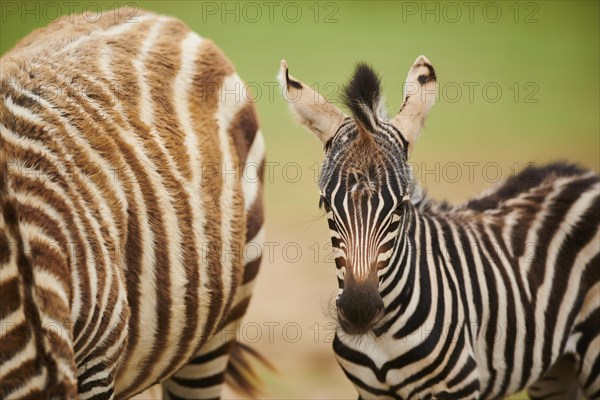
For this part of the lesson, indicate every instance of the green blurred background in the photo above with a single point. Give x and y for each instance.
(519, 83)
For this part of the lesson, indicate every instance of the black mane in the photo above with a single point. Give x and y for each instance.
(363, 94)
(529, 178)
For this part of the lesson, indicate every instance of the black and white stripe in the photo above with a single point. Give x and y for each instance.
(475, 301)
(470, 314)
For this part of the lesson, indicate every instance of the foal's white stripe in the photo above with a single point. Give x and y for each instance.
(189, 50)
(250, 178)
(228, 107)
(115, 30)
(145, 102)
(147, 312)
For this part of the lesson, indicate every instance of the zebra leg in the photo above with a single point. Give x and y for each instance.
(559, 382)
(220, 358)
(588, 348)
(463, 382)
(203, 376)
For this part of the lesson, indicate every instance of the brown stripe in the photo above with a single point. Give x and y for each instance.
(114, 332)
(95, 346)
(126, 72)
(60, 143)
(105, 363)
(160, 77)
(243, 129)
(5, 247)
(88, 197)
(32, 315)
(37, 216)
(35, 161)
(46, 256)
(53, 307)
(35, 186)
(15, 341)
(251, 270)
(108, 149)
(10, 297)
(61, 347)
(255, 216)
(14, 379)
(212, 68)
(236, 312)
(52, 38)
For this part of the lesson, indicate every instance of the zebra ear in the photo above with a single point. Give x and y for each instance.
(311, 109)
(420, 92)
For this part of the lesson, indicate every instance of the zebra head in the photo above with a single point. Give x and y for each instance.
(365, 179)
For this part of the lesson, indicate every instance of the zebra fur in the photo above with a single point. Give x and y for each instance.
(475, 301)
(131, 192)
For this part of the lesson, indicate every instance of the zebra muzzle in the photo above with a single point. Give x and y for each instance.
(359, 307)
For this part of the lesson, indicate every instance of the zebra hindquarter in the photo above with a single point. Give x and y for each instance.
(222, 358)
(105, 286)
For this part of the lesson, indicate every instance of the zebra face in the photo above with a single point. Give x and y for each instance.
(365, 179)
(363, 183)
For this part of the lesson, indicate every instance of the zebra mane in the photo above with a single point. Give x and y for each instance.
(362, 95)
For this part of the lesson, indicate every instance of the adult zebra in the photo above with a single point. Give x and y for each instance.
(129, 241)
(437, 302)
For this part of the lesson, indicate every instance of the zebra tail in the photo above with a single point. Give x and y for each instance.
(240, 374)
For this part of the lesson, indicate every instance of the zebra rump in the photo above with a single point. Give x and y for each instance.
(124, 221)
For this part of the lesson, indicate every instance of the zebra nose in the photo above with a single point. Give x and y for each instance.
(359, 311)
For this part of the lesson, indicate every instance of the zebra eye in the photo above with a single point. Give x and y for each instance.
(400, 208)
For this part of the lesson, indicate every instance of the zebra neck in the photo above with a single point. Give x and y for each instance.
(419, 270)
(397, 282)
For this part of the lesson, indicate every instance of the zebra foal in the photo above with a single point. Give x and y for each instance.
(129, 241)
(444, 302)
